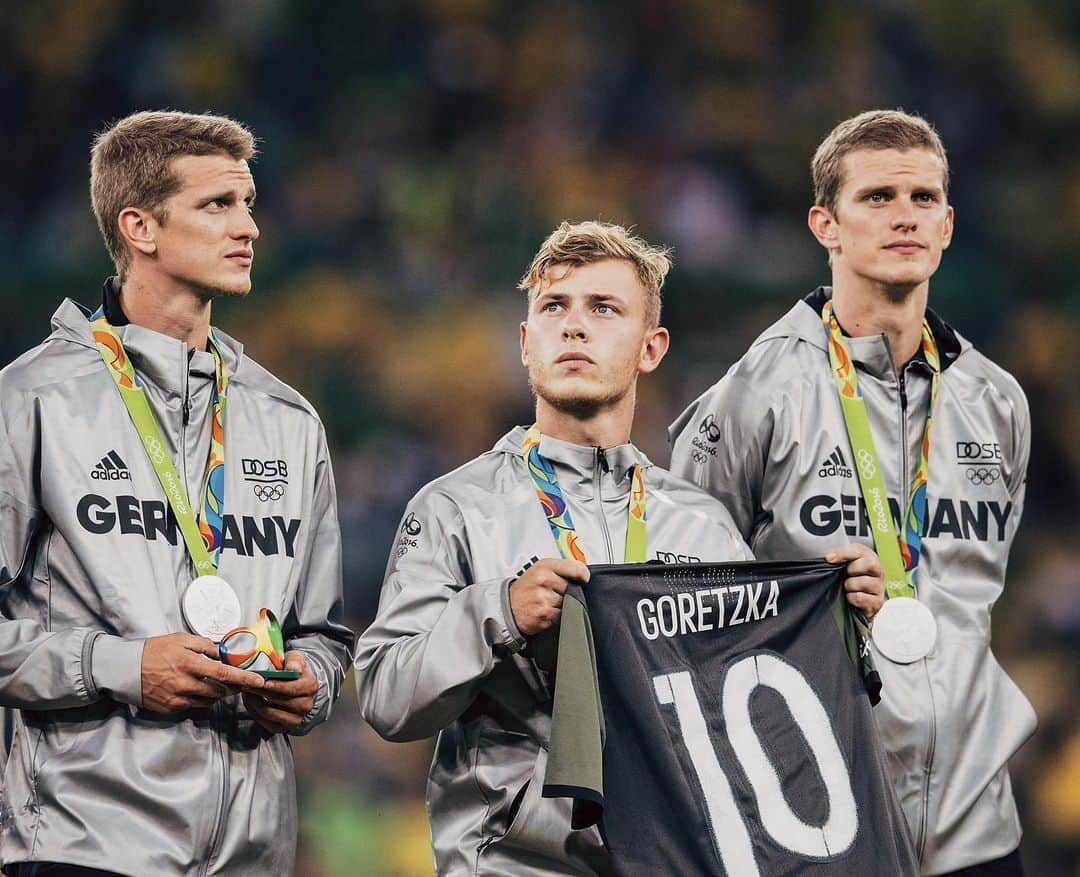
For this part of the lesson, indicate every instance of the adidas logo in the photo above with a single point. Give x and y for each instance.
(835, 465)
(111, 468)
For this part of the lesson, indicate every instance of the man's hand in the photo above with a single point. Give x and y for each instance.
(178, 674)
(536, 597)
(281, 705)
(865, 584)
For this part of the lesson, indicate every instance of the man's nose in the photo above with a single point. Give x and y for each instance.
(245, 227)
(905, 217)
(573, 326)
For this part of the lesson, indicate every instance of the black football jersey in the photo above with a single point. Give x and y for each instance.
(716, 719)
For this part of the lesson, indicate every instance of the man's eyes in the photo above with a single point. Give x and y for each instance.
(918, 197)
(600, 307)
(224, 203)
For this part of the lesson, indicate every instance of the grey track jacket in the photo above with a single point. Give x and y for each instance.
(444, 656)
(769, 441)
(92, 563)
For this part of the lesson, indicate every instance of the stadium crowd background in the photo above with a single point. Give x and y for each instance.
(416, 153)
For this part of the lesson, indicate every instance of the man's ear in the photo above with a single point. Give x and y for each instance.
(524, 346)
(137, 229)
(948, 230)
(653, 348)
(823, 226)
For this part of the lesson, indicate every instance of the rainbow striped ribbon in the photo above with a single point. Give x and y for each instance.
(202, 537)
(899, 552)
(558, 512)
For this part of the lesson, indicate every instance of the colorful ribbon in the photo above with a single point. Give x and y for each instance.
(899, 552)
(558, 512)
(202, 537)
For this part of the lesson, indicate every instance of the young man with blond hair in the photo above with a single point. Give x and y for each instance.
(828, 414)
(139, 524)
(462, 643)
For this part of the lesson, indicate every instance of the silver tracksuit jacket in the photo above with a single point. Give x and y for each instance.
(444, 655)
(769, 441)
(92, 563)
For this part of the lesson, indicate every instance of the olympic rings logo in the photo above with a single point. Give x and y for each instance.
(268, 492)
(699, 457)
(154, 449)
(978, 475)
(865, 461)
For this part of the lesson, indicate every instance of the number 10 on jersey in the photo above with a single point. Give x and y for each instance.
(730, 836)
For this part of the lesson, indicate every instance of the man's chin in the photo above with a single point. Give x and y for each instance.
(225, 290)
(580, 405)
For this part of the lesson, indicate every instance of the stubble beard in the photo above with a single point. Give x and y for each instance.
(209, 293)
(582, 405)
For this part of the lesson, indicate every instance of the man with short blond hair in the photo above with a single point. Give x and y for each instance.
(461, 646)
(582, 243)
(134, 536)
(824, 426)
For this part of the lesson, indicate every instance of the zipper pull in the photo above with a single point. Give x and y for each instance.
(903, 392)
(601, 458)
(186, 410)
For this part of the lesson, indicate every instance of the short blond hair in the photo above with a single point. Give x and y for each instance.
(583, 243)
(874, 129)
(131, 164)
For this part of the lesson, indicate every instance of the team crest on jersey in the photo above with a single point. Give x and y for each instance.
(268, 478)
(980, 462)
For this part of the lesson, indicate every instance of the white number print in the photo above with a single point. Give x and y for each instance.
(784, 826)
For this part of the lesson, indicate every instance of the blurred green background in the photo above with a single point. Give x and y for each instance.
(414, 155)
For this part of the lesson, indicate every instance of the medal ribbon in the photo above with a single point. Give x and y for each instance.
(558, 512)
(899, 552)
(202, 537)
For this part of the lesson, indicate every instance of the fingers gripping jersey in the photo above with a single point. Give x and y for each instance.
(731, 706)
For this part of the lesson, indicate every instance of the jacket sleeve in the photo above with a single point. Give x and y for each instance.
(315, 623)
(721, 443)
(437, 634)
(1018, 469)
(39, 669)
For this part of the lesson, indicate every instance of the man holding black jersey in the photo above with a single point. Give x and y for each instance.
(824, 427)
(462, 643)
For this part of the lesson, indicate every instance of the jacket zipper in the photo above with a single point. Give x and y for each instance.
(931, 743)
(600, 463)
(218, 723)
(218, 720)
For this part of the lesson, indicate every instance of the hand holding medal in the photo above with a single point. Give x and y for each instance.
(259, 648)
(278, 697)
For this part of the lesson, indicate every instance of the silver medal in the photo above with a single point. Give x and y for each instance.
(211, 607)
(904, 631)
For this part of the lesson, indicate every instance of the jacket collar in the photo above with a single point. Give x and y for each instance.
(871, 352)
(160, 359)
(576, 466)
